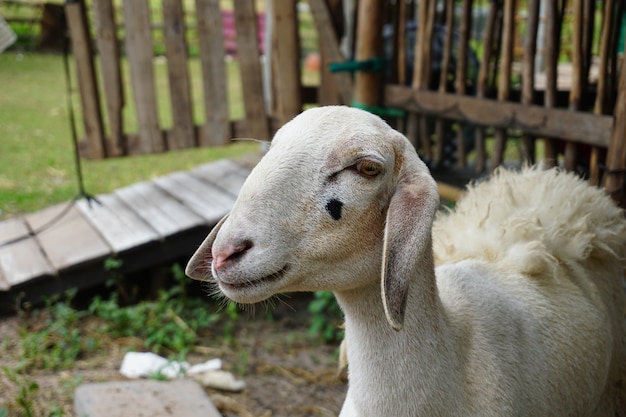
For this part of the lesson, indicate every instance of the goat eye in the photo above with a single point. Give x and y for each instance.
(368, 168)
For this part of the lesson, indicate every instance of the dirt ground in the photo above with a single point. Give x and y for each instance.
(286, 370)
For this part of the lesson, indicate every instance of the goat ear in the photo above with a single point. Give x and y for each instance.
(199, 266)
(407, 236)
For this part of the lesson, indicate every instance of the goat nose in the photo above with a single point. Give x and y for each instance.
(230, 252)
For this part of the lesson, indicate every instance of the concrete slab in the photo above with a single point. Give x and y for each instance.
(143, 398)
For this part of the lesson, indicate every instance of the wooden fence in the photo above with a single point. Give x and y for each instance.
(100, 71)
(467, 103)
(539, 79)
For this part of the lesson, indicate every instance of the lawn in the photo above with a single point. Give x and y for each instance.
(36, 150)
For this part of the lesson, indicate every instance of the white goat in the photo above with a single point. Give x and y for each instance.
(522, 316)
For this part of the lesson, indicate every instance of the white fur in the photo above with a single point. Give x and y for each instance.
(521, 317)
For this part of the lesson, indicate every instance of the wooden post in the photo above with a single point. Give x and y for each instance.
(90, 99)
(367, 85)
(256, 123)
(216, 129)
(109, 52)
(286, 60)
(183, 133)
(139, 49)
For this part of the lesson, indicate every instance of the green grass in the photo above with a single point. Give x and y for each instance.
(36, 151)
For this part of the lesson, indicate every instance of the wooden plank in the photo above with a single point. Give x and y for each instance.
(69, 242)
(109, 52)
(20, 260)
(120, 226)
(216, 129)
(250, 70)
(537, 120)
(330, 46)
(286, 60)
(224, 174)
(182, 134)
(161, 211)
(209, 201)
(139, 47)
(90, 100)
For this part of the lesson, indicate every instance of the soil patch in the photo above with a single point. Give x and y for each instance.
(288, 372)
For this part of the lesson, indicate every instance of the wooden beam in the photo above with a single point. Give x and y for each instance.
(533, 119)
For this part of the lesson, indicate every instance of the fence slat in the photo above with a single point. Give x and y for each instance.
(216, 129)
(109, 51)
(571, 149)
(528, 73)
(483, 80)
(286, 60)
(553, 33)
(139, 48)
(461, 75)
(182, 134)
(440, 124)
(256, 125)
(504, 78)
(330, 46)
(616, 158)
(328, 91)
(83, 56)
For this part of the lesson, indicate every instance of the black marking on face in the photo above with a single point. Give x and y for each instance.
(334, 208)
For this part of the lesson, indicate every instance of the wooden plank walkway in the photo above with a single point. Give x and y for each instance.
(145, 225)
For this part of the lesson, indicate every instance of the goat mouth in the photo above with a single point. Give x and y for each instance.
(250, 283)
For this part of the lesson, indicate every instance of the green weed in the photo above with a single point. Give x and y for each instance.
(169, 323)
(52, 338)
(25, 399)
(326, 317)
